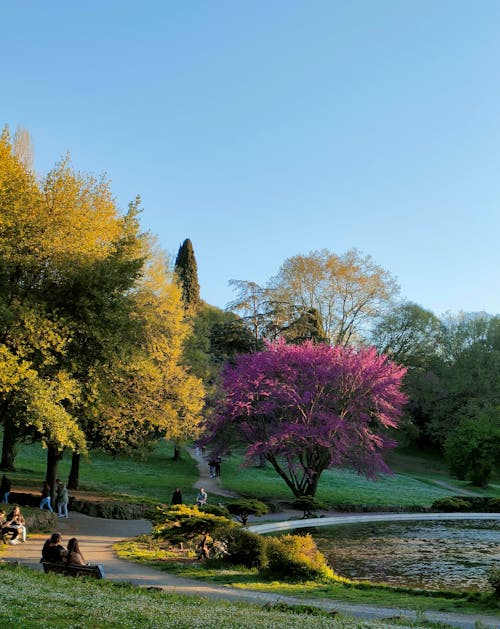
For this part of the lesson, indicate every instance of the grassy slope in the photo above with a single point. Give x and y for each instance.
(335, 487)
(421, 479)
(32, 599)
(350, 592)
(154, 477)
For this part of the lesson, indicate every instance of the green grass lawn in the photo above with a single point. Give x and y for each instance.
(341, 589)
(153, 477)
(335, 486)
(44, 601)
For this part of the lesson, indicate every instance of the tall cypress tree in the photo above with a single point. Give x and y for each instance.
(187, 270)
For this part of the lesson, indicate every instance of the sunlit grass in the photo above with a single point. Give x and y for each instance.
(337, 588)
(152, 477)
(32, 599)
(335, 487)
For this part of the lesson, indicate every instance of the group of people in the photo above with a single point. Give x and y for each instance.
(61, 498)
(54, 552)
(214, 466)
(13, 525)
(201, 499)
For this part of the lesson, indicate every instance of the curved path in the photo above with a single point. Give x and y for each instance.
(97, 537)
(360, 519)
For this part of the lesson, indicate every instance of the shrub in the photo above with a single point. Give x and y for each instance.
(295, 557)
(451, 504)
(246, 507)
(181, 524)
(215, 510)
(493, 505)
(308, 504)
(494, 579)
(243, 548)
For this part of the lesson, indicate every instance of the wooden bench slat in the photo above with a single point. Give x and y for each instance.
(96, 571)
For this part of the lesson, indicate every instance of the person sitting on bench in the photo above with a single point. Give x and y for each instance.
(52, 550)
(74, 556)
(16, 524)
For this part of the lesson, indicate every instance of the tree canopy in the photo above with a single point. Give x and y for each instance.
(187, 271)
(92, 323)
(309, 407)
(342, 294)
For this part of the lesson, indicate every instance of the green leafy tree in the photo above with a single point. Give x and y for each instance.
(187, 271)
(472, 449)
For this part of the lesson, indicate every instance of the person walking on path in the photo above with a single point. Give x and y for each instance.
(5, 486)
(45, 501)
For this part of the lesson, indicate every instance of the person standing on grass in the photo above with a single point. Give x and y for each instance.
(5, 486)
(45, 502)
(176, 497)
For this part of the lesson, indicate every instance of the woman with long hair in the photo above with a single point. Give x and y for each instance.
(74, 555)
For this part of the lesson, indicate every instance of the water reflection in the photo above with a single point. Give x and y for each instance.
(454, 555)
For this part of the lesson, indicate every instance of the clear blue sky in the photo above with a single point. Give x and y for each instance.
(267, 128)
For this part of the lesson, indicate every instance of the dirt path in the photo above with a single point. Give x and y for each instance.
(97, 536)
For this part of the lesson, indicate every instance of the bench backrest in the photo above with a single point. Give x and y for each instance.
(96, 571)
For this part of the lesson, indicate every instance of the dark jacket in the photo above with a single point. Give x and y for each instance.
(55, 554)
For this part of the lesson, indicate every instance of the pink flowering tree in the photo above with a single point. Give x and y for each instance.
(306, 408)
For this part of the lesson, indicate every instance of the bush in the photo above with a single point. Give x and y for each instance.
(493, 505)
(246, 507)
(494, 579)
(243, 548)
(308, 504)
(477, 504)
(181, 524)
(451, 504)
(295, 557)
(215, 510)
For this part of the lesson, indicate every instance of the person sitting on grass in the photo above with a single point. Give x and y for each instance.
(74, 555)
(52, 550)
(201, 499)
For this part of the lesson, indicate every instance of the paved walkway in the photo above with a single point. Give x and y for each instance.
(97, 536)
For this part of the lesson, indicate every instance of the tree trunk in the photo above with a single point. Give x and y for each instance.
(177, 450)
(74, 473)
(54, 455)
(9, 446)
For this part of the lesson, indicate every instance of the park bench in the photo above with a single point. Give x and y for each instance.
(7, 536)
(95, 571)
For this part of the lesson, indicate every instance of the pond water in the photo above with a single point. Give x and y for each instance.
(433, 554)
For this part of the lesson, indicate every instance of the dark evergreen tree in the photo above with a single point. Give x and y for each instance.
(187, 270)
